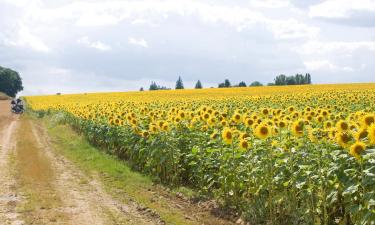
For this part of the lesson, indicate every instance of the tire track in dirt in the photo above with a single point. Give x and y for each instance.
(9, 198)
(86, 200)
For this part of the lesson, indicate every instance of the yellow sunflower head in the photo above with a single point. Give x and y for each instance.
(249, 122)
(361, 134)
(357, 149)
(243, 144)
(342, 125)
(371, 134)
(227, 135)
(244, 136)
(297, 128)
(262, 131)
(368, 120)
(343, 139)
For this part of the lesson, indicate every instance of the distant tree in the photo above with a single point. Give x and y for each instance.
(256, 84)
(308, 78)
(141, 89)
(227, 83)
(221, 85)
(198, 85)
(153, 86)
(271, 84)
(10, 82)
(291, 80)
(298, 79)
(179, 83)
(242, 84)
(280, 80)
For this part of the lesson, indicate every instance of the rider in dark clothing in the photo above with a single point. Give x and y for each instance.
(17, 106)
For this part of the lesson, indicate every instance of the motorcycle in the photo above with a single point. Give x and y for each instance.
(17, 109)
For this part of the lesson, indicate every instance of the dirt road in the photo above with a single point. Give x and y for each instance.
(40, 187)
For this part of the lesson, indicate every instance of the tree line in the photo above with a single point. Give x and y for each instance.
(280, 80)
(10, 82)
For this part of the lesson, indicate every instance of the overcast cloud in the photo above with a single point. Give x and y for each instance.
(95, 45)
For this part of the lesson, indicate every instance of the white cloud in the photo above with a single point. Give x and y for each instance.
(110, 13)
(270, 3)
(317, 47)
(139, 42)
(316, 65)
(292, 29)
(24, 38)
(94, 44)
(340, 8)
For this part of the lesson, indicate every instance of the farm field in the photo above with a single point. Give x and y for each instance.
(276, 155)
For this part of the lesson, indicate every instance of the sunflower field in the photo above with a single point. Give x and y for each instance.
(278, 155)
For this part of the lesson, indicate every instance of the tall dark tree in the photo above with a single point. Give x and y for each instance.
(153, 86)
(308, 78)
(256, 84)
(10, 82)
(290, 80)
(242, 84)
(179, 83)
(198, 85)
(280, 80)
(227, 83)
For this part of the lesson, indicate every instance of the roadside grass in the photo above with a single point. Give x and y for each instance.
(120, 181)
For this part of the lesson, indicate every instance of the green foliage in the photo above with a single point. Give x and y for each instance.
(198, 85)
(154, 87)
(304, 185)
(242, 84)
(10, 82)
(297, 79)
(256, 84)
(179, 83)
(226, 84)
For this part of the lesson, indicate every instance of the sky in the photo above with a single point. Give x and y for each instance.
(79, 46)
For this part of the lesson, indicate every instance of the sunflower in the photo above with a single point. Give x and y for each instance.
(356, 149)
(368, 120)
(243, 144)
(227, 135)
(327, 125)
(244, 136)
(343, 139)
(249, 122)
(361, 134)
(236, 118)
(145, 134)
(211, 121)
(371, 134)
(265, 111)
(153, 129)
(262, 131)
(223, 123)
(165, 127)
(282, 124)
(206, 116)
(297, 128)
(342, 126)
(214, 135)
